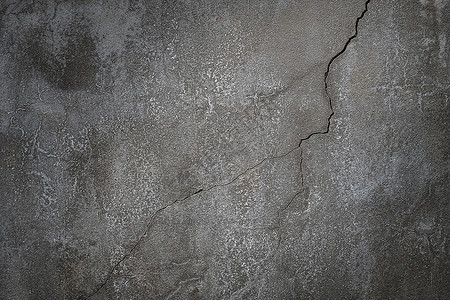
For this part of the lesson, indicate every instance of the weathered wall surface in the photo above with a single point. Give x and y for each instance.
(224, 150)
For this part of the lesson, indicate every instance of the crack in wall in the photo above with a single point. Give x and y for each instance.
(159, 211)
(284, 208)
(279, 222)
(326, 84)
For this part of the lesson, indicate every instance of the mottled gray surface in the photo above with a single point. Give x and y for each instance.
(185, 150)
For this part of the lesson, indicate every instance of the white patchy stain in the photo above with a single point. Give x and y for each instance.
(442, 44)
(440, 4)
(426, 226)
(427, 42)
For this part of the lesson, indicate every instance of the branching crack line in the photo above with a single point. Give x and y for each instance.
(329, 117)
(153, 218)
(279, 220)
(326, 84)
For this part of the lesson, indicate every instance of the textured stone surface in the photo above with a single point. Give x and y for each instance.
(185, 150)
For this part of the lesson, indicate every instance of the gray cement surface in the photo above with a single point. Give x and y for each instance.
(224, 149)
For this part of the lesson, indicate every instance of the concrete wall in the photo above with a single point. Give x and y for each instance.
(224, 149)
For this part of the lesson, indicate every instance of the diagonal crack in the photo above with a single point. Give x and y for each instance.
(331, 108)
(279, 219)
(325, 80)
(284, 208)
(162, 209)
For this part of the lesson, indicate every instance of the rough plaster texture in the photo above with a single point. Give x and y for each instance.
(224, 149)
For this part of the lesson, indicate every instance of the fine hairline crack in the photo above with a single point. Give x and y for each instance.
(162, 209)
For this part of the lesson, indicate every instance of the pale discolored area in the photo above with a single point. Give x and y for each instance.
(150, 150)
